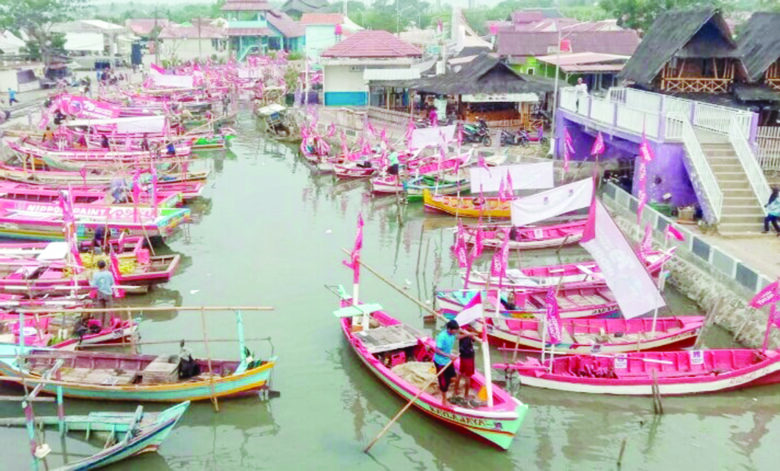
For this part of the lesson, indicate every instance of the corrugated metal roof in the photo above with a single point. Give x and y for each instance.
(372, 44)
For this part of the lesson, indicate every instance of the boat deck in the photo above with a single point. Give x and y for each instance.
(393, 337)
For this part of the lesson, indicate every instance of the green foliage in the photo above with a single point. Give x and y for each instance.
(501, 11)
(35, 18)
(640, 14)
(295, 56)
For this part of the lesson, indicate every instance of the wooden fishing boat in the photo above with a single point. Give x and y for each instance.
(26, 192)
(63, 330)
(130, 433)
(128, 377)
(190, 183)
(182, 192)
(527, 237)
(470, 206)
(569, 275)
(350, 169)
(679, 372)
(444, 185)
(530, 303)
(44, 154)
(389, 345)
(590, 335)
(43, 221)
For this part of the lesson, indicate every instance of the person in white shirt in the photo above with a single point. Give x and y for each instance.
(582, 90)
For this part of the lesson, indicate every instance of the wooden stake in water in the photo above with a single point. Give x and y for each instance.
(208, 359)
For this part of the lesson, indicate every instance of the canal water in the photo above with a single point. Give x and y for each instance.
(269, 232)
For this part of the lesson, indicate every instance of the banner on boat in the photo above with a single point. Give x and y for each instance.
(626, 276)
(551, 203)
(432, 137)
(99, 213)
(536, 176)
(171, 81)
(144, 124)
(83, 107)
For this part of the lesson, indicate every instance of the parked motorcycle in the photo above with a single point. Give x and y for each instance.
(508, 138)
(525, 137)
(477, 133)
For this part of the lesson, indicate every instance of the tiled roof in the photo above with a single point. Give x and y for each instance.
(246, 5)
(191, 32)
(322, 19)
(144, 26)
(372, 43)
(286, 25)
(528, 43)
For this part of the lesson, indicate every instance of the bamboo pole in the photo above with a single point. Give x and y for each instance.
(160, 309)
(170, 342)
(208, 359)
(408, 404)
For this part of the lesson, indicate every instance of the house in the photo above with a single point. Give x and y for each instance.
(689, 51)
(759, 51)
(143, 27)
(203, 38)
(95, 36)
(298, 8)
(486, 87)
(10, 44)
(346, 63)
(523, 42)
(255, 26)
(324, 30)
(598, 69)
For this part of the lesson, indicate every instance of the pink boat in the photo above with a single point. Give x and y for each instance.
(570, 275)
(590, 335)
(679, 372)
(25, 192)
(528, 237)
(60, 331)
(43, 221)
(530, 303)
(46, 154)
(389, 346)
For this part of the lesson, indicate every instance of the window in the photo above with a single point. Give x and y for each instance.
(529, 71)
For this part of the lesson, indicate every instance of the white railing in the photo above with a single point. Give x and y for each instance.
(642, 100)
(678, 105)
(638, 121)
(569, 99)
(672, 127)
(749, 163)
(768, 147)
(617, 94)
(702, 171)
(602, 110)
(718, 118)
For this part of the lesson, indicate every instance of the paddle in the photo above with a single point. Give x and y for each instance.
(408, 404)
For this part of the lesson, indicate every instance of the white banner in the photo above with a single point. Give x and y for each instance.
(551, 203)
(171, 81)
(626, 276)
(500, 97)
(142, 124)
(535, 176)
(422, 138)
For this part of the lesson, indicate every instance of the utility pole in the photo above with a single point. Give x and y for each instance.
(156, 37)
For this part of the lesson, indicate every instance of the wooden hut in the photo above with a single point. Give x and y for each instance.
(759, 49)
(686, 51)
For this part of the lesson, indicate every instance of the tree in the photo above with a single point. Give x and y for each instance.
(35, 18)
(640, 14)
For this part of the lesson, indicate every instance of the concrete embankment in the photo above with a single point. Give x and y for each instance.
(710, 290)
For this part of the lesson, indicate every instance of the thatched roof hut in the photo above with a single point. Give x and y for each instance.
(759, 44)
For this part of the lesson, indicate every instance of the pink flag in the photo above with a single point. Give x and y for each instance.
(625, 275)
(772, 320)
(344, 148)
(154, 190)
(500, 259)
(481, 162)
(409, 132)
(598, 145)
(647, 240)
(461, 253)
(770, 294)
(641, 192)
(510, 189)
(568, 149)
(671, 231)
(331, 130)
(136, 193)
(553, 317)
(502, 190)
(370, 129)
(156, 68)
(354, 262)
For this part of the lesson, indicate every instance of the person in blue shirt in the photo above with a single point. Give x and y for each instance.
(443, 357)
(103, 281)
(12, 96)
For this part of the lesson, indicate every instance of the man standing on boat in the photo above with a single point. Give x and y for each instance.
(103, 281)
(443, 358)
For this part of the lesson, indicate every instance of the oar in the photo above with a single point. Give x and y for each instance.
(408, 404)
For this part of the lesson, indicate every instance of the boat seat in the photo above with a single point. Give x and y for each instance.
(160, 370)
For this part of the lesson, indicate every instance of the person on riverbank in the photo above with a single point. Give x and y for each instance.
(103, 281)
(443, 358)
(773, 211)
(12, 96)
(466, 369)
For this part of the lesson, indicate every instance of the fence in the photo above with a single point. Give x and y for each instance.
(695, 248)
(768, 146)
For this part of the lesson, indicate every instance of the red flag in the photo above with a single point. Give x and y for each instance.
(553, 317)
(598, 145)
(770, 294)
(671, 231)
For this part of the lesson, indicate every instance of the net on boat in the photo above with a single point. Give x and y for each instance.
(419, 374)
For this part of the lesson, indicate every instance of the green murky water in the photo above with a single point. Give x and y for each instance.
(270, 232)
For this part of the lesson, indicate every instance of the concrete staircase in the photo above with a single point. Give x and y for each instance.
(742, 212)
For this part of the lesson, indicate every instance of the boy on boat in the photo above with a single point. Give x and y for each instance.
(444, 358)
(466, 369)
(103, 281)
